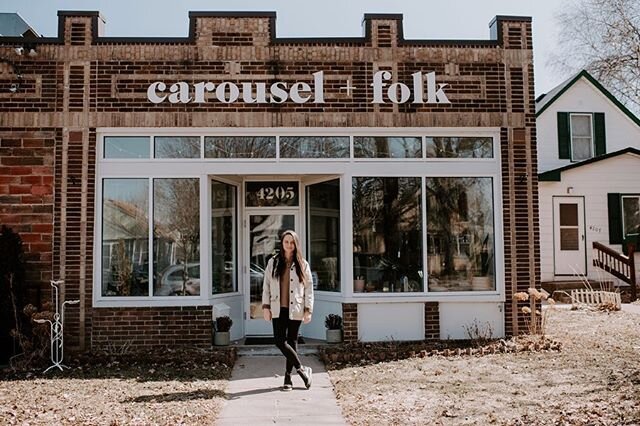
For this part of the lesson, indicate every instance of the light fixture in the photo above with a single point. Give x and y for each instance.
(19, 50)
(32, 52)
(14, 87)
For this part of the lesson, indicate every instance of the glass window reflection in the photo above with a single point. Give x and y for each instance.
(239, 147)
(176, 237)
(460, 234)
(125, 237)
(323, 233)
(223, 238)
(387, 147)
(459, 147)
(314, 147)
(387, 234)
(177, 147)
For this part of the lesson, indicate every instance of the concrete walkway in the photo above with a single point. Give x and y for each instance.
(255, 396)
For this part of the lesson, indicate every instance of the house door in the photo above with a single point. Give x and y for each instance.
(569, 236)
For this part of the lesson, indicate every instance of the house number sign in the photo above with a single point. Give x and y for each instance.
(272, 194)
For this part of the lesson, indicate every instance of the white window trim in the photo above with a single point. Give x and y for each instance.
(593, 140)
(346, 169)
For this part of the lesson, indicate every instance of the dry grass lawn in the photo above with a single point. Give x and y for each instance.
(594, 380)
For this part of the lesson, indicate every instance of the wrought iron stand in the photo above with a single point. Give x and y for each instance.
(57, 327)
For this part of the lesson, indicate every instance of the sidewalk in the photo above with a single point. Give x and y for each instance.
(255, 398)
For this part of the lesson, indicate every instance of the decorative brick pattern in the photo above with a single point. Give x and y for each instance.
(432, 321)
(350, 322)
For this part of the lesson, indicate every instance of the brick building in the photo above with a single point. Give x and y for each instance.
(153, 175)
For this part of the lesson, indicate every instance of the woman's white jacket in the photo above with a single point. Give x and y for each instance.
(300, 292)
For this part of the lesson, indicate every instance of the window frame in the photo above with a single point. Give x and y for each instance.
(303, 169)
(592, 136)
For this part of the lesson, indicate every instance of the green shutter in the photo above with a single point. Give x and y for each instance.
(615, 218)
(600, 133)
(564, 136)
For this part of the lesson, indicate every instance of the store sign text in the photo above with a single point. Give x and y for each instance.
(423, 90)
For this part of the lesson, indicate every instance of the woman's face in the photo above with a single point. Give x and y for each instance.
(288, 245)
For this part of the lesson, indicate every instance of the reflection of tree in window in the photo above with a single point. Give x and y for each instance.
(460, 228)
(240, 147)
(459, 147)
(176, 233)
(387, 237)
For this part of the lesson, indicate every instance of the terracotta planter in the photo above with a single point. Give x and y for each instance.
(334, 336)
(221, 338)
(358, 286)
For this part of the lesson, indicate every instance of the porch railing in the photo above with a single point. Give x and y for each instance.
(617, 264)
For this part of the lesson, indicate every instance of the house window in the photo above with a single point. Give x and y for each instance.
(631, 215)
(581, 137)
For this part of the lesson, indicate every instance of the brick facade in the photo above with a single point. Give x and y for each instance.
(81, 81)
(432, 321)
(350, 322)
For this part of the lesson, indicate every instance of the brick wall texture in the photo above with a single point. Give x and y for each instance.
(82, 81)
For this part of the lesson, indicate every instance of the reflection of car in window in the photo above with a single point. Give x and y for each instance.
(171, 281)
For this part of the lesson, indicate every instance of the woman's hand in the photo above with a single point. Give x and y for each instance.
(266, 314)
(307, 317)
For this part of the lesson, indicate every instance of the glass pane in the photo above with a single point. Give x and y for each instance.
(264, 242)
(581, 126)
(460, 234)
(387, 147)
(126, 147)
(569, 239)
(582, 149)
(223, 238)
(314, 147)
(125, 237)
(176, 237)
(324, 234)
(239, 147)
(459, 147)
(387, 234)
(272, 194)
(177, 147)
(631, 215)
(568, 214)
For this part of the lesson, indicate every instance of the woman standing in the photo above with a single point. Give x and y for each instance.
(287, 300)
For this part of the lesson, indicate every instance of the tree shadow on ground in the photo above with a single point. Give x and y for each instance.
(178, 396)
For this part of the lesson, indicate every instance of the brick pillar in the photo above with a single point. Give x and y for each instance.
(432, 321)
(350, 322)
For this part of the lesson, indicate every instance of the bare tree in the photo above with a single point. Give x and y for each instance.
(603, 37)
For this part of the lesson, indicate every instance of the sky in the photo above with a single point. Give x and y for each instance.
(423, 19)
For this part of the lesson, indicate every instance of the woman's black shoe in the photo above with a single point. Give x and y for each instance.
(306, 374)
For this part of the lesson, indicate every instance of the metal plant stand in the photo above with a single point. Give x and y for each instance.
(57, 327)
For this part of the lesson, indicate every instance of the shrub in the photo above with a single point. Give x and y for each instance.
(333, 322)
(223, 323)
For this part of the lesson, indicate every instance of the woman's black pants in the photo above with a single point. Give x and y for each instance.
(285, 333)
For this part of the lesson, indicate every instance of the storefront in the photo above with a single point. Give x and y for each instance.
(407, 167)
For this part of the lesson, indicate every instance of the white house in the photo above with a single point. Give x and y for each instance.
(589, 177)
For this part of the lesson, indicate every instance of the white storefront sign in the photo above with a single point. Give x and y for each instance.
(424, 90)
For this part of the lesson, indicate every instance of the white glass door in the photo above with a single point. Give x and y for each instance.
(263, 227)
(569, 236)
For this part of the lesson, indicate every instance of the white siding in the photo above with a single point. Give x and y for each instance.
(593, 181)
(621, 131)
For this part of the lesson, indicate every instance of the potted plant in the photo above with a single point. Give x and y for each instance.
(333, 323)
(222, 325)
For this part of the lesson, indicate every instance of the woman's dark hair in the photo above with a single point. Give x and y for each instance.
(280, 262)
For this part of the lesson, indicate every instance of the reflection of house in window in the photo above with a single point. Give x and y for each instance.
(125, 248)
